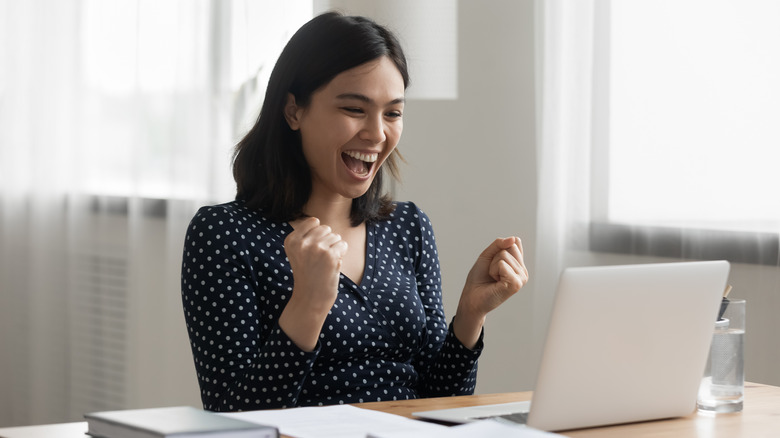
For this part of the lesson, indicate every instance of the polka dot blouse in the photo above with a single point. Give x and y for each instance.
(386, 339)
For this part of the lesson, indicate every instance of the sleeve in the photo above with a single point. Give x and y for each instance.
(239, 365)
(445, 365)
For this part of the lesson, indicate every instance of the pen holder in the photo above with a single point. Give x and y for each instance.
(723, 384)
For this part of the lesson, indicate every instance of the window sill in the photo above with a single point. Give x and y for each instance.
(759, 248)
(117, 205)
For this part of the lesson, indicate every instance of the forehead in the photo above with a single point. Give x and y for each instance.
(379, 78)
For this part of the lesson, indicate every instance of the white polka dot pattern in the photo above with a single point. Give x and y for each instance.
(386, 339)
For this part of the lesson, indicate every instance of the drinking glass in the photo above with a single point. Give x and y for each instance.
(723, 385)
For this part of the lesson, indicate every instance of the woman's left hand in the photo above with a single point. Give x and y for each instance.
(498, 273)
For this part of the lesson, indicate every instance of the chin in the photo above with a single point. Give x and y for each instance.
(356, 192)
(355, 195)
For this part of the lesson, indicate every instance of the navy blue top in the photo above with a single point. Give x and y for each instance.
(386, 339)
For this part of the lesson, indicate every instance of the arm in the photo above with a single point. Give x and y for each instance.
(315, 255)
(232, 303)
(450, 366)
(445, 365)
(498, 273)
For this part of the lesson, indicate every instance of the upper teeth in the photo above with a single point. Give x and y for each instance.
(369, 158)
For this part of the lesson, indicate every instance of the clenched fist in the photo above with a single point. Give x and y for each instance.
(315, 253)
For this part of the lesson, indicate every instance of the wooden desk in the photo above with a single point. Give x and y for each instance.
(760, 418)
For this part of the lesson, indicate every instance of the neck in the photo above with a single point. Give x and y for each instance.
(332, 212)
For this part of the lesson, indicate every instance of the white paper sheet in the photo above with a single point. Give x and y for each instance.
(339, 421)
(477, 429)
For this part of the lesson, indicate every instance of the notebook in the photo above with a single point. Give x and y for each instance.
(624, 344)
(175, 421)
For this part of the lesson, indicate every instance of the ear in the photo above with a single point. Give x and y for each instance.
(292, 113)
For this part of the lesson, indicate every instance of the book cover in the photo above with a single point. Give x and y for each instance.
(174, 422)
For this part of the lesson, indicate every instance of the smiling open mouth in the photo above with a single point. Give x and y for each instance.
(359, 163)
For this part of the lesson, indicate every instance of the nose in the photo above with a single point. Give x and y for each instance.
(373, 130)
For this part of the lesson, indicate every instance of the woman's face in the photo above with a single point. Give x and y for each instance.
(350, 127)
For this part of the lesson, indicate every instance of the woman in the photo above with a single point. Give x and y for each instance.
(313, 287)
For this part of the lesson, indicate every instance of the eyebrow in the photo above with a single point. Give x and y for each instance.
(366, 99)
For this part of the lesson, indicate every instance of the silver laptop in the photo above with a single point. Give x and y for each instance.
(624, 344)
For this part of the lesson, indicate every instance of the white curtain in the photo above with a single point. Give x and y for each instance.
(118, 120)
(564, 105)
(577, 145)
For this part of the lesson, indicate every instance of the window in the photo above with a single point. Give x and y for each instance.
(169, 87)
(688, 122)
(694, 104)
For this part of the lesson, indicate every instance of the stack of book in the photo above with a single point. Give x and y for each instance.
(172, 422)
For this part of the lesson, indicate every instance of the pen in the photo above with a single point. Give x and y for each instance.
(725, 302)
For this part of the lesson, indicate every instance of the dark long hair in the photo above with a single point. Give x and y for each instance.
(269, 167)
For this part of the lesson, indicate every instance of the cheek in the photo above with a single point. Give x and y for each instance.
(393, 137)
(316, 143)
(328, 134)
(308, 146)
(315, 153)
(394, 134)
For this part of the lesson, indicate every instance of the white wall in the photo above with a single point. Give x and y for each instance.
(472, 168)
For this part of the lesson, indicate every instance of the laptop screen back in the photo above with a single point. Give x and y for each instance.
(626, 343)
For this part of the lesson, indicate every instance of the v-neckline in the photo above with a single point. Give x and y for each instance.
(369, 253)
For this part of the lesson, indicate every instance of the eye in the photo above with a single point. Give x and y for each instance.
(394, 114)
(353, 109)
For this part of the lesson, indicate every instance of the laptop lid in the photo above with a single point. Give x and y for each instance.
(627, 343)
(624, 344)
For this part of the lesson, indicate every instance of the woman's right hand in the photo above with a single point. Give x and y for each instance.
(315, 253)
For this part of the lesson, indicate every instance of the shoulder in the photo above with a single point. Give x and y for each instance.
(409, 230)
(217, 212)
(231, 216)
(408, 215)
(406, 209)
(212, 216)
